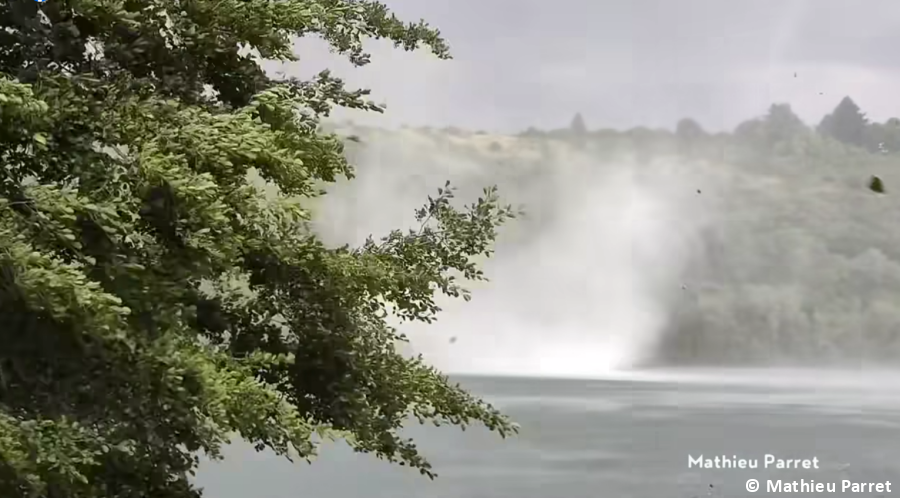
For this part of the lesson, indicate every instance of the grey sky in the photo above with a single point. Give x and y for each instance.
(622, 63)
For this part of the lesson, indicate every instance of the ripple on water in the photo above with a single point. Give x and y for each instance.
(562, 403)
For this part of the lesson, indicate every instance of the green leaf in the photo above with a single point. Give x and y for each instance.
(876, 185)
(158, 255)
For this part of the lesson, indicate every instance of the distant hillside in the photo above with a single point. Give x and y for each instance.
(799, 260)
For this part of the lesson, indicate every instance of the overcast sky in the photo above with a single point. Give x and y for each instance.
(622, 63)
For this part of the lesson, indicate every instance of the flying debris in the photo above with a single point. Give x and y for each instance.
(453, 340)
(876, 185)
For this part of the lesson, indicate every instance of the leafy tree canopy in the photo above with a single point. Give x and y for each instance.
(782, 123)
(846, 123)
(154, 301)
(578, 126)
(689, 129)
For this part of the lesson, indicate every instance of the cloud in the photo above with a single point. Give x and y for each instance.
(646, 62)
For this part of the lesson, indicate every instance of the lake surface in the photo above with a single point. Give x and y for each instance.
(619, 438)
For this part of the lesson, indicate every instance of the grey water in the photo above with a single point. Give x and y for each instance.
(624, 437)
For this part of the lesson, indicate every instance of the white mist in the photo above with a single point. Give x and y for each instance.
(586, 295)
(585, 300)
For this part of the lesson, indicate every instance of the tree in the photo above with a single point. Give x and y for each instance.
(688, 129)
(782, 125)
(689, 133)
(884, 137)
(846, 123)
(153, 300)
(577, 126)
(891, 141)
(750, 131)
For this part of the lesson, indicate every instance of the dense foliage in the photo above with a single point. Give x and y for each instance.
(154, 300)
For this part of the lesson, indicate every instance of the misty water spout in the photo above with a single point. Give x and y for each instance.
(582, 286)
(584, 299)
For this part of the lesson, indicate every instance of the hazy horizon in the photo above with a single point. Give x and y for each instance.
(625, 64)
